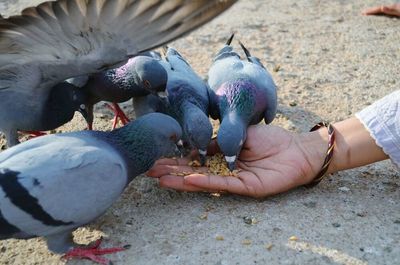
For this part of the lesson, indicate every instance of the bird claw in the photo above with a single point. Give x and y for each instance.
(92, 253)
(118, 114)
(34, 134)
(90, 127)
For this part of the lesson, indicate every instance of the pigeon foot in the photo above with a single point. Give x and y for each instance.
(34, 134)
(118, 114)
(90, 127)
(92, 253)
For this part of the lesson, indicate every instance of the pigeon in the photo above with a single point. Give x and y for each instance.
(59, 108)
(140, 76)
(151, 102)
(51, 185)
(242, 93)
(188, 102)
(57, 40)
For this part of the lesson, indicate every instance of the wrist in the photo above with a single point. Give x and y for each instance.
(354, 147)
(314, 146)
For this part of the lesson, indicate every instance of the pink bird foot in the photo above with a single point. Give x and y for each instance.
(93, 252)
(118, 114)
(34, 134)
(90, 127)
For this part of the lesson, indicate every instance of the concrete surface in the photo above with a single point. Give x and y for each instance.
(333, 62)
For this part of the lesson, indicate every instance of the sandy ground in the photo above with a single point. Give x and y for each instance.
(332, 62)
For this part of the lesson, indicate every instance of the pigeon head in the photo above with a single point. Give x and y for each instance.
(79, 99)
(166, 132)
(230, 138)
(64, 99)
(152, 74)
(146, 139)
(197, 130)
(238, 100)
(79, 95)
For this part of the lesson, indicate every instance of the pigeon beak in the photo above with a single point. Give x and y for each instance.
(162, 94)
(85, 114)
(203, 156)
(179, 151)
(231, 162)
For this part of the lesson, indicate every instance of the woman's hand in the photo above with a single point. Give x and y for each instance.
(272, 161)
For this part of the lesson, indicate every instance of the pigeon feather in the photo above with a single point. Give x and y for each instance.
(188, 101)
(53, 184)
(57, 40)
(242, 93)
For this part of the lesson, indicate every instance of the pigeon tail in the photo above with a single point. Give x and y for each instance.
(230, 39)
(165, 50)
(246, 51)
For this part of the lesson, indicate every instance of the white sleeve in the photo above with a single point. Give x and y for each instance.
(382, 120)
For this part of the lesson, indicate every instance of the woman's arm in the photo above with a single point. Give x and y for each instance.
(354, 146)
(274, 160)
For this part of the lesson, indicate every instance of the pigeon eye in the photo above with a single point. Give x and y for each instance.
(173, 137)
(147, 83)
(82, 106)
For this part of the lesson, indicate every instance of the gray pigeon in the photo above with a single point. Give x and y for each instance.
(140, 76)
(59, 108)
(148, 104)
(243, 93)
(188, 102)
(53, 184)
(57, 40)
(151, 102)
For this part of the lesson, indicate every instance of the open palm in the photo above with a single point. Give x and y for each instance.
(272, 160)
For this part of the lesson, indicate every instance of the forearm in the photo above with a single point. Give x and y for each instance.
(354, 146)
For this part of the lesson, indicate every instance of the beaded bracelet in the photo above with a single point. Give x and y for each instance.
(329, 153)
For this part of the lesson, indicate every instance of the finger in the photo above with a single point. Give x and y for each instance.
(172, 161)
(177, 183)
(165, 166)
(391, 11)
(385, 10)
(160, 170)
(372, 10)
(219, 183)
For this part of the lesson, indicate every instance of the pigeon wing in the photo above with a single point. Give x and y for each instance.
(264, 82)
(52, 185)
(73, 37)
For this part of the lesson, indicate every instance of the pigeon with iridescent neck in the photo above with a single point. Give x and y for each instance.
(139, 77)
(57, 40)
(242, 93)
(188, 102)
(51, 185)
